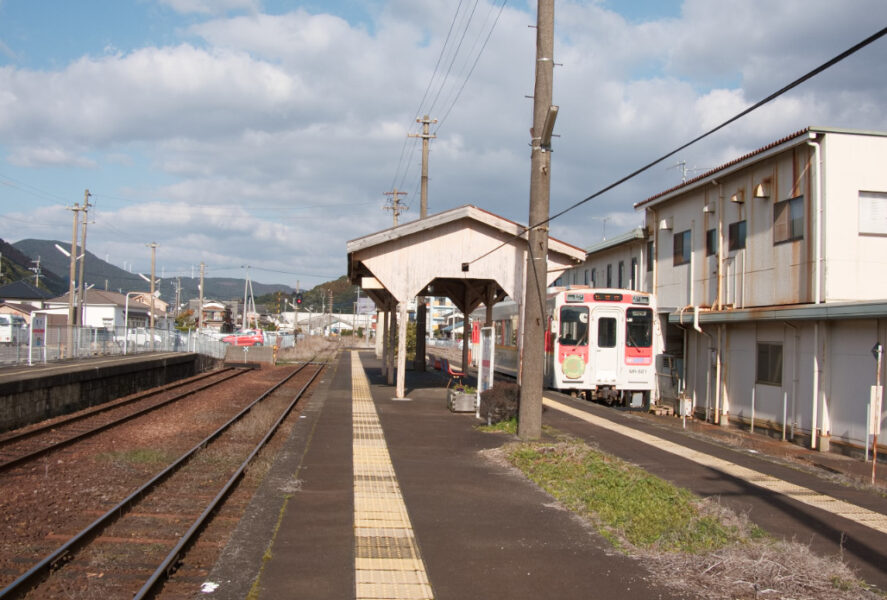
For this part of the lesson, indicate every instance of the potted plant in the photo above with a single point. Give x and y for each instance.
(461, 398)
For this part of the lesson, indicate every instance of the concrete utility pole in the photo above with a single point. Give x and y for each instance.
(72, 312)
(530, 423)
(153, 247)
(421, 317)
(200, 301)
(81, 285)
(36, 270)
(395, 207)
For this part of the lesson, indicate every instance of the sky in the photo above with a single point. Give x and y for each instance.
(266, 133)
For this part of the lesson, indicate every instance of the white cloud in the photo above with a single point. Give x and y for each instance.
(211, 7)
(273, 137)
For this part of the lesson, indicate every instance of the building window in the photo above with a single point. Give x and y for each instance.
(788, 220)
(586, 276)
(634, 274)
(769, 363)
(594, 278)
(682, 248)
(711, 242)
(736, 236)
(609, 276)
(620, 274)
(650, 256)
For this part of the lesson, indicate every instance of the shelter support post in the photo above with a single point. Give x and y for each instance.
(392, 334)
(401, 349)
(421, 328)
(386, 324)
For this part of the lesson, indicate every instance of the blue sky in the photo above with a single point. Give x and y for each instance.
(266, 132)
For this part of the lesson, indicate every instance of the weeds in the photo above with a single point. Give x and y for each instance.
(696, 546)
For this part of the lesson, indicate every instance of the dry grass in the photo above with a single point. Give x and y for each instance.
(736, 559)
(310, 348)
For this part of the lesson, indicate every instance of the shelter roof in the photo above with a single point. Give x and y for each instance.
(467, 254)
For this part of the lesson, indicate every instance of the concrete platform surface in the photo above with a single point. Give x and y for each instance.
(376, 497)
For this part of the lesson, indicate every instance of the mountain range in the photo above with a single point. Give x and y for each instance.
(19, 260)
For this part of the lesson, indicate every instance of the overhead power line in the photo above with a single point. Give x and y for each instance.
(807, 76)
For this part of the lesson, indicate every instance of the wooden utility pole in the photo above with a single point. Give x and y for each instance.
(421, 317)
(395, 207)
(81, 285)
(530, 422)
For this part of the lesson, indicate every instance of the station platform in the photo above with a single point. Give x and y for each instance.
(377, 497)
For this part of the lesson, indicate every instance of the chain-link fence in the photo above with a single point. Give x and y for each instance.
(58, 343)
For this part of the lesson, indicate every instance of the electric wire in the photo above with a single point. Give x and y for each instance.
(427, 89)
(440, 121)
(455, 55)
(464, 27)
(807, 76)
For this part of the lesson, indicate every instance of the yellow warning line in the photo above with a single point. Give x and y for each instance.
(387, 562)
(857, 514)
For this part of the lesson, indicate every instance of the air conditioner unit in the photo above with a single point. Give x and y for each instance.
(738, 197)
(666, 223)
(709, 207)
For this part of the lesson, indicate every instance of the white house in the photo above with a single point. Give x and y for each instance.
(107, 310)
(771, 267)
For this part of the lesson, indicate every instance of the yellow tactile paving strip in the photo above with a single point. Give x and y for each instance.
(860, 515)
(387, 562)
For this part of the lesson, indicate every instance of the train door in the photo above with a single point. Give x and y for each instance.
(606, 327)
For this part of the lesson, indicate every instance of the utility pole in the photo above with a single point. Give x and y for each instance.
(245, 288)
(530, 419)
(153, 247)
(200, 301)
(81, 285)
(178, 294)
(395, 207)
(72, 313)
(421, 317)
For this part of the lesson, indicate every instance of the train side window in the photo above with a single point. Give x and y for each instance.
(639, 328)
(573, 326)
(606, 332)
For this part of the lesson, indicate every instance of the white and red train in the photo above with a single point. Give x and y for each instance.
(601, 343)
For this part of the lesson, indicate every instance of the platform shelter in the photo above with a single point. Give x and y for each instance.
(467, 254)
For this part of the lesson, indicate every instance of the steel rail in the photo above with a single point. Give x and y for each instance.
(54, 560)
(4, 466)
(20, 435)
(169, 564)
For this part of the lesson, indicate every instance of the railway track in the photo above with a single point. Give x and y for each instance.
(132, 549)
(31, 443)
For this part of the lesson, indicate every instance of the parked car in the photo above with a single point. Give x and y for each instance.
(13, 330)
(245, 337)
(139, 336)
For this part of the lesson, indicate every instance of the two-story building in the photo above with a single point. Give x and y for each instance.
(772, 268)
(618, 262)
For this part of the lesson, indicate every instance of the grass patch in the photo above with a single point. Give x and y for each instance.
(626, 503)
(695, 547)
(509, 426)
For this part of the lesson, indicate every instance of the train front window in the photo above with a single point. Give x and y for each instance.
(574, 326)
(639, 328)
